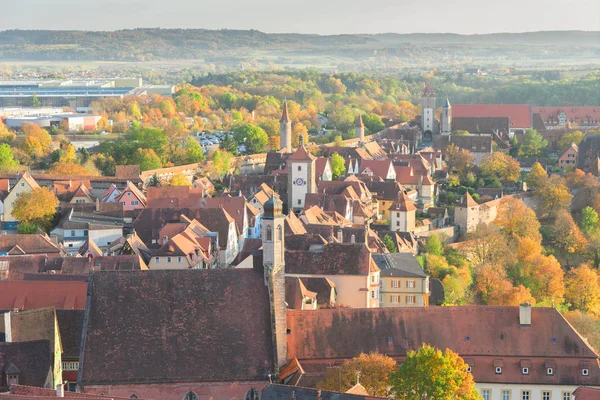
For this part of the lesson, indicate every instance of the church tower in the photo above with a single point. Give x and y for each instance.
(428, 113)
(273, 240)
(446, 128)
(359, 128)
(285, 130)
(301, 168)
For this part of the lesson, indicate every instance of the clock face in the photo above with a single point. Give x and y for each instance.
(299, 181)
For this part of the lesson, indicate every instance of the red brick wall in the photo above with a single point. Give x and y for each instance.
(176, 391)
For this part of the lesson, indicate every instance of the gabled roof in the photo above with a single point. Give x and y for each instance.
(133, 189)
(30, 181)
(520, 114)
(330, 259)
(587, 393)
(106, 195)
(70, 324)
(84, 265)
(468, 201)
(428, 91)
(32, 359)
(404, 203)
(31, 325)
(575, 114)
(293, 226)
(167, 322)
(301, 155)
(29, 244)
(379, 168)
(283, 392)
(90, 247)
(399, 264)
(26, 295)
(295, 292)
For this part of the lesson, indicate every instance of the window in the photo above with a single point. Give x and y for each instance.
(169, 259)
(70, 365)
(299, 167)
(525, 395)
(550, 371)
(506, 395)
(585, 372)
(373, 294)
(79, 201)
(395, 283)
(22, 184)
(397, 223)
(469, 368)
(124, 203)
(279, 233)
(395, 299)
(372, 278)
(157, 259)
(179, 259)
(128, 193)
(380, 298)
(498, 370)
(135, 203)
(133, 396)
(70, 245)
(85, 233)
(485, 393)
(525, 371)
(566, 396)
(190, 396)
(545, 395)
(269, 232)
(410, 284)
(411, 299)
(72, 233)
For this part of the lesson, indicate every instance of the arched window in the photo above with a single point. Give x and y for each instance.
(279, 233)
(190, 396)
(251, 394)
(133, 396)
(269, 232)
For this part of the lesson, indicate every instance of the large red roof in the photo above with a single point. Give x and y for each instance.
(27, 295)
(520, 114)
(577, 115)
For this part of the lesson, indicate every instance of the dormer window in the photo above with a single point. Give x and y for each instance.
(12, 379)
(585, 372)
(525, 371)
(498, 370)
(549, 371)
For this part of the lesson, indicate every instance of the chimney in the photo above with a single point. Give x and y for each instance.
(340, 236)
(60, 390)
(525, 314)
(353, 238)
(165, 239)
(90, 257)
(97, 205)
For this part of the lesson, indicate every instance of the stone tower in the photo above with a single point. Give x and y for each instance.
(360, 128)
(301, 168)
(274, 270)
(446, 128)
(428, 113)
(285, 130)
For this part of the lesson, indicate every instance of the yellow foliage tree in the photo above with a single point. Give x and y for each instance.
(515, 218)
(179, 180)
(68, 168)
(502, 166)
(537, 177)
(33, 130)
(374, 369)
(583, 290)
(36, 207)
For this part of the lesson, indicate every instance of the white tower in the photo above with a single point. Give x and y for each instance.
(428, 113)
(301, 177)
(359, 128)
(446, 128)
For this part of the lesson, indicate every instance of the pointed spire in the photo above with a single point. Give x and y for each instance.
(428, 91)
(284, 114)
(359, 122)
(447, 104)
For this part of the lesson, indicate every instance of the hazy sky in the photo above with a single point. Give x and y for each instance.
(306, 16)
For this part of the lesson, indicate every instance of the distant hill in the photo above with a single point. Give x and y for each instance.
(164, 44)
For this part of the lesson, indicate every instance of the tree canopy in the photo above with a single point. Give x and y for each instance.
(37, 207)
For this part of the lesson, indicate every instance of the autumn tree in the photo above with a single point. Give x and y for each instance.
(501, 166)
(459, 160)
(7, 160)
(147, 159)
(567, 139)
(337, 166)
(515, 218)
(374, 369)
(6, 136)
(537, 177)
(487, 245)
(532, 144)
(68, 168)
(589, 220)
(546, 279)
(221, 161)
(297, 131)
(36, 207)
(35, 131)
(568, 238)
(553, 196)
(179, 180)
(587, 325)
(430, 374)
(583, 290)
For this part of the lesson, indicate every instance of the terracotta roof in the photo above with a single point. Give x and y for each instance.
(26, 295)
(359, 122)
(235, 207)
(579, 115)
(520, 114)
(90, 247)
(316, 215)
(301, 155)
(282, 392)
(284, 113)
(29, 244)
(379, 168)
(358, 389)
(127, 171)
(19, 264)
(468, 201)
(322, 287)
(293, 225)
(133, 189)
(330, 259)
(320, 164)
(428, 91)
(303, 241)
(33, 360)
(29, 392)
(29, 179)
(404, 203)
(295, 292)
(168, 321)
(481, 333)
(587, 393)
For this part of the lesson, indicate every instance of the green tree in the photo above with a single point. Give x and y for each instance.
(35, 102)
(533, 144)
(589, 220)
(374, 369)
(430, 374)
(228, 144)
(7, 160)
(146, 158)
(252, 136)
(434, 246)
(193, 152)
(154, 181)
(373, 123)
(389, 243)
(337, 166)
(148, 138)
(36, 207)
(572, 137)
(460, 133)
(228, 100)
(28, 228)
(220, 160)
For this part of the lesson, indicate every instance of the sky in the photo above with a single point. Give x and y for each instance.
(306, 16)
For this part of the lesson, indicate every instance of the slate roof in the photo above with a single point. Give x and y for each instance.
(399, 264)
(481, 124)
(84, 265)
(481, 333)
(332, 259)
(70, 325)
(31, 358)
(282, 392)
(177, 326)
(26, 295)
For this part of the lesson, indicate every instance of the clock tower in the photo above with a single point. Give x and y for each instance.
(301, 177)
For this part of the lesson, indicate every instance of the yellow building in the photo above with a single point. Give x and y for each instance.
(403, 281)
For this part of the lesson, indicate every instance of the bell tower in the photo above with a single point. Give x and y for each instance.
(273, 240)
(446, 128)
(301, 168)
(428, 113)
(285, 129)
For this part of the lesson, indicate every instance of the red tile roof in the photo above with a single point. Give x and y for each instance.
(579, 115)
(26, 295)
(30, 392)
(284, 113)
(587, 393)
(301, 155)
(428, 91)
(520, 114)
(331, 259)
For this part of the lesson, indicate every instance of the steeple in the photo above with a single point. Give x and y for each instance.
(447, 104)
(285, 130)
(446, 118)
(428, 92)
(359, 128)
